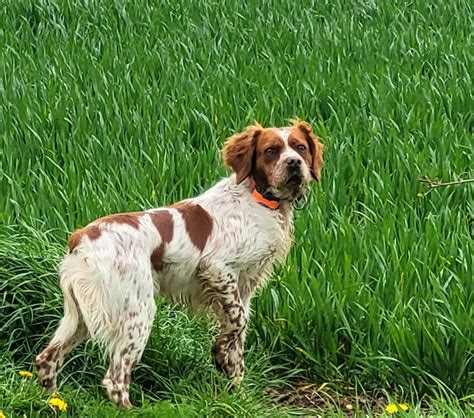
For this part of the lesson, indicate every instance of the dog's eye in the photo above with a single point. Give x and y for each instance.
(270, 151)
(301, 147)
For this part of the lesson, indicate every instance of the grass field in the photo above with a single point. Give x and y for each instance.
(120, 105)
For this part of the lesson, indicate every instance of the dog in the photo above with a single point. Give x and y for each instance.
(214, 250)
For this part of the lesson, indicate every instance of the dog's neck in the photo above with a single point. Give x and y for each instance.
(267, 199)
(261, 196)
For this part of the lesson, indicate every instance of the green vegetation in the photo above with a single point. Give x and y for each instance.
(120, 105)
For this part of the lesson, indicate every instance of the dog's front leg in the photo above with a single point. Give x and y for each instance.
(228, 351)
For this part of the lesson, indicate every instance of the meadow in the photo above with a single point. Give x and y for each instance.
(120, 106)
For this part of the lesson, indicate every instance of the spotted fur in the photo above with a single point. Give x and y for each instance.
(213, 250)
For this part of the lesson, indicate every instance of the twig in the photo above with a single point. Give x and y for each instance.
(431, 184)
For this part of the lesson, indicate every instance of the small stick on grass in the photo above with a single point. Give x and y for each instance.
(431, 184)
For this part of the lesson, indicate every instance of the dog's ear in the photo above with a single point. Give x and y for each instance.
(239, 150)
(315, 147)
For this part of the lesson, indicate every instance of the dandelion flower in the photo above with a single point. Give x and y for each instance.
(392, 408)
(57, 402)
(24, 373)
(2, 415)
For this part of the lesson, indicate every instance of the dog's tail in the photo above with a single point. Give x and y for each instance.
(86, 298)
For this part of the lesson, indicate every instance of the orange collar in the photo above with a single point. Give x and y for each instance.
(259, 198)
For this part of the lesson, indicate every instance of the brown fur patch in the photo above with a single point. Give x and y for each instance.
(163, 222)
(296, 139)
(316, 148)
(50, 354)
(129, 218)
(93, 231)
(75, 239)
(156, 258)
(265, 161)
(198, 223)
(239, 149)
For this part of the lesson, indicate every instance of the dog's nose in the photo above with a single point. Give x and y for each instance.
(293, 162)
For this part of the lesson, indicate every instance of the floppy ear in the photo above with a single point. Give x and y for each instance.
(239, 149)
(315, 147)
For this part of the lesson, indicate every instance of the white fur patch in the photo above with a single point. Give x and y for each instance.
(288, 151)
(285, 134)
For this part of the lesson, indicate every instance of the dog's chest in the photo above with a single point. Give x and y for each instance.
(251, 239)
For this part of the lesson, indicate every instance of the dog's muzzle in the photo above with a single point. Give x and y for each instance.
(293, 172)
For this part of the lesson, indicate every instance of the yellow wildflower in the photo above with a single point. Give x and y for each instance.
(2, 415)
(392, 408)
(57, 402)
(24, 373)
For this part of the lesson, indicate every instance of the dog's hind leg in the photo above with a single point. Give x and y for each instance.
(134, 328)
(70, 333)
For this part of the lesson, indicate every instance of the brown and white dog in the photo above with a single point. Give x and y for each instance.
(214, 250)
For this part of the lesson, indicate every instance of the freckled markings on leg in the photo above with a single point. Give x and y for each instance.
(238, 319)
(223, 289)
(116, 373)
(228, 350)
(51, 353)
(47, 363)
(118, 377)
(117, 394)
(46, 368)
(218, 357)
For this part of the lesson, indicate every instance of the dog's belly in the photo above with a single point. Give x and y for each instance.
(178, 282)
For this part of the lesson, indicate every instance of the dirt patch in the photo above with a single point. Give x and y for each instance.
(324, 397)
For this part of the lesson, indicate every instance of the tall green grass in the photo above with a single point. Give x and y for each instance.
(113, 106)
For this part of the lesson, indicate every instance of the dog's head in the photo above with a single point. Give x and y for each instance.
(281, 161)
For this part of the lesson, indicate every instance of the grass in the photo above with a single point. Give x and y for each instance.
(118, 106)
